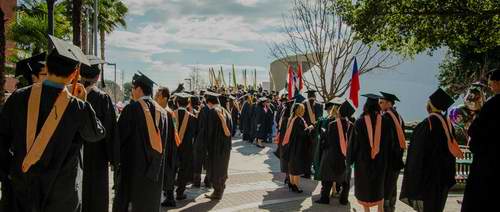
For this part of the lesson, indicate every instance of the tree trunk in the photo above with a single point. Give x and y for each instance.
(2, 57)
(102, 35)
(50, 17)
(85, 41)
(77, 22)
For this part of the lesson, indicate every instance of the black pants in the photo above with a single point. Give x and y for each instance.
(326, 187)
(435, 201)
(199, 160)
(391, 191)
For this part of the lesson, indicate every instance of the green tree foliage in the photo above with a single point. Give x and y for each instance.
(470, 29)
(127, 91)
(29, 31)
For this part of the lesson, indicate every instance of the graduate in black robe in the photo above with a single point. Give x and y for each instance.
(247, 118)
(142, 160)
(369, 150)
(313, 111)
(200, 147)
(334, 149)
(482, 183)
(185, 150)
(32, 69)
(398, 142)
(282, 126)
(235, 113)
(162, 97)
(219, 146)
(48, 182)
(263, 120)
(97, 156)
(430, 163)
(294, 142)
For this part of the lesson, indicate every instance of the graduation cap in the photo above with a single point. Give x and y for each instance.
(67, 52)
(31, 66)
(311, 93)
(143, 79)
(183, 95)
(441, 100)
(333, 102)
(390, 97)
(347, 109)
(494, 75)
(93, 70)
(211, 96)
(371, 98)
(299, 98)
(263, 99)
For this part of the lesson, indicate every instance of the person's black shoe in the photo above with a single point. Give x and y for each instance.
(296, 189)
(168, 203)
(180, 196)
(208, 185)
(213, 196)
(323, 201)
(343, 201)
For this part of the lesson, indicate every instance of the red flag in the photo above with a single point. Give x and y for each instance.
(290, 82)
(301, 83)
(355, 86)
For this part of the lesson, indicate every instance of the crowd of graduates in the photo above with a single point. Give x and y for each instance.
(161, 142)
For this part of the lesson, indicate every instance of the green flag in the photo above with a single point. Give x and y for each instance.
(234, 78)
(255, 79)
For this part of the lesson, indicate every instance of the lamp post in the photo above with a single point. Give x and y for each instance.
(114, 87)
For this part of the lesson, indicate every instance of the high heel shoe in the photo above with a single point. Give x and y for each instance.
(296, 189)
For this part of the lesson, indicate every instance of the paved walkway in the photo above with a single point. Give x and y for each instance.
(255, 184)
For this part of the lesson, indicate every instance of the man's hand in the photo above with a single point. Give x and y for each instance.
(80, 92)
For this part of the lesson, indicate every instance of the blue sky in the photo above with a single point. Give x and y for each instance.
(165, 39)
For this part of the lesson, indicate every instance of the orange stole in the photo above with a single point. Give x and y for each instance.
(185, 120)
(289, 127)
(401, 135)
(374, 142)
(154, 134)
(35, 146)
(452, 143)
(174, 119)
(342, 140)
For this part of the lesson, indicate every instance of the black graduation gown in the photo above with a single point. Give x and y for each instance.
(171, 155)
(264, 122)
(311, 145)
(430, 167)
(50, 184)
(200, 146)
(185, 150)
(219, 146)
(285, 113)
(235, 116)
(333, 162)
(97, 155)
(295, 151)
(482, 183)
(141, 167)
(369, 174)
(395, 162)
(246, 121)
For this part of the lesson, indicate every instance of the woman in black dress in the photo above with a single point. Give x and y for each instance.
(294, 140)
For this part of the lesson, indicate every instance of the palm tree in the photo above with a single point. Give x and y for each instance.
(32, 24)
(77, 22)
(111, 19)
(2, 57)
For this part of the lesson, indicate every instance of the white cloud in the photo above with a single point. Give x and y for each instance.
(248, 3)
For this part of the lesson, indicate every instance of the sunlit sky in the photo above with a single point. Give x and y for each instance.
(165, 39)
